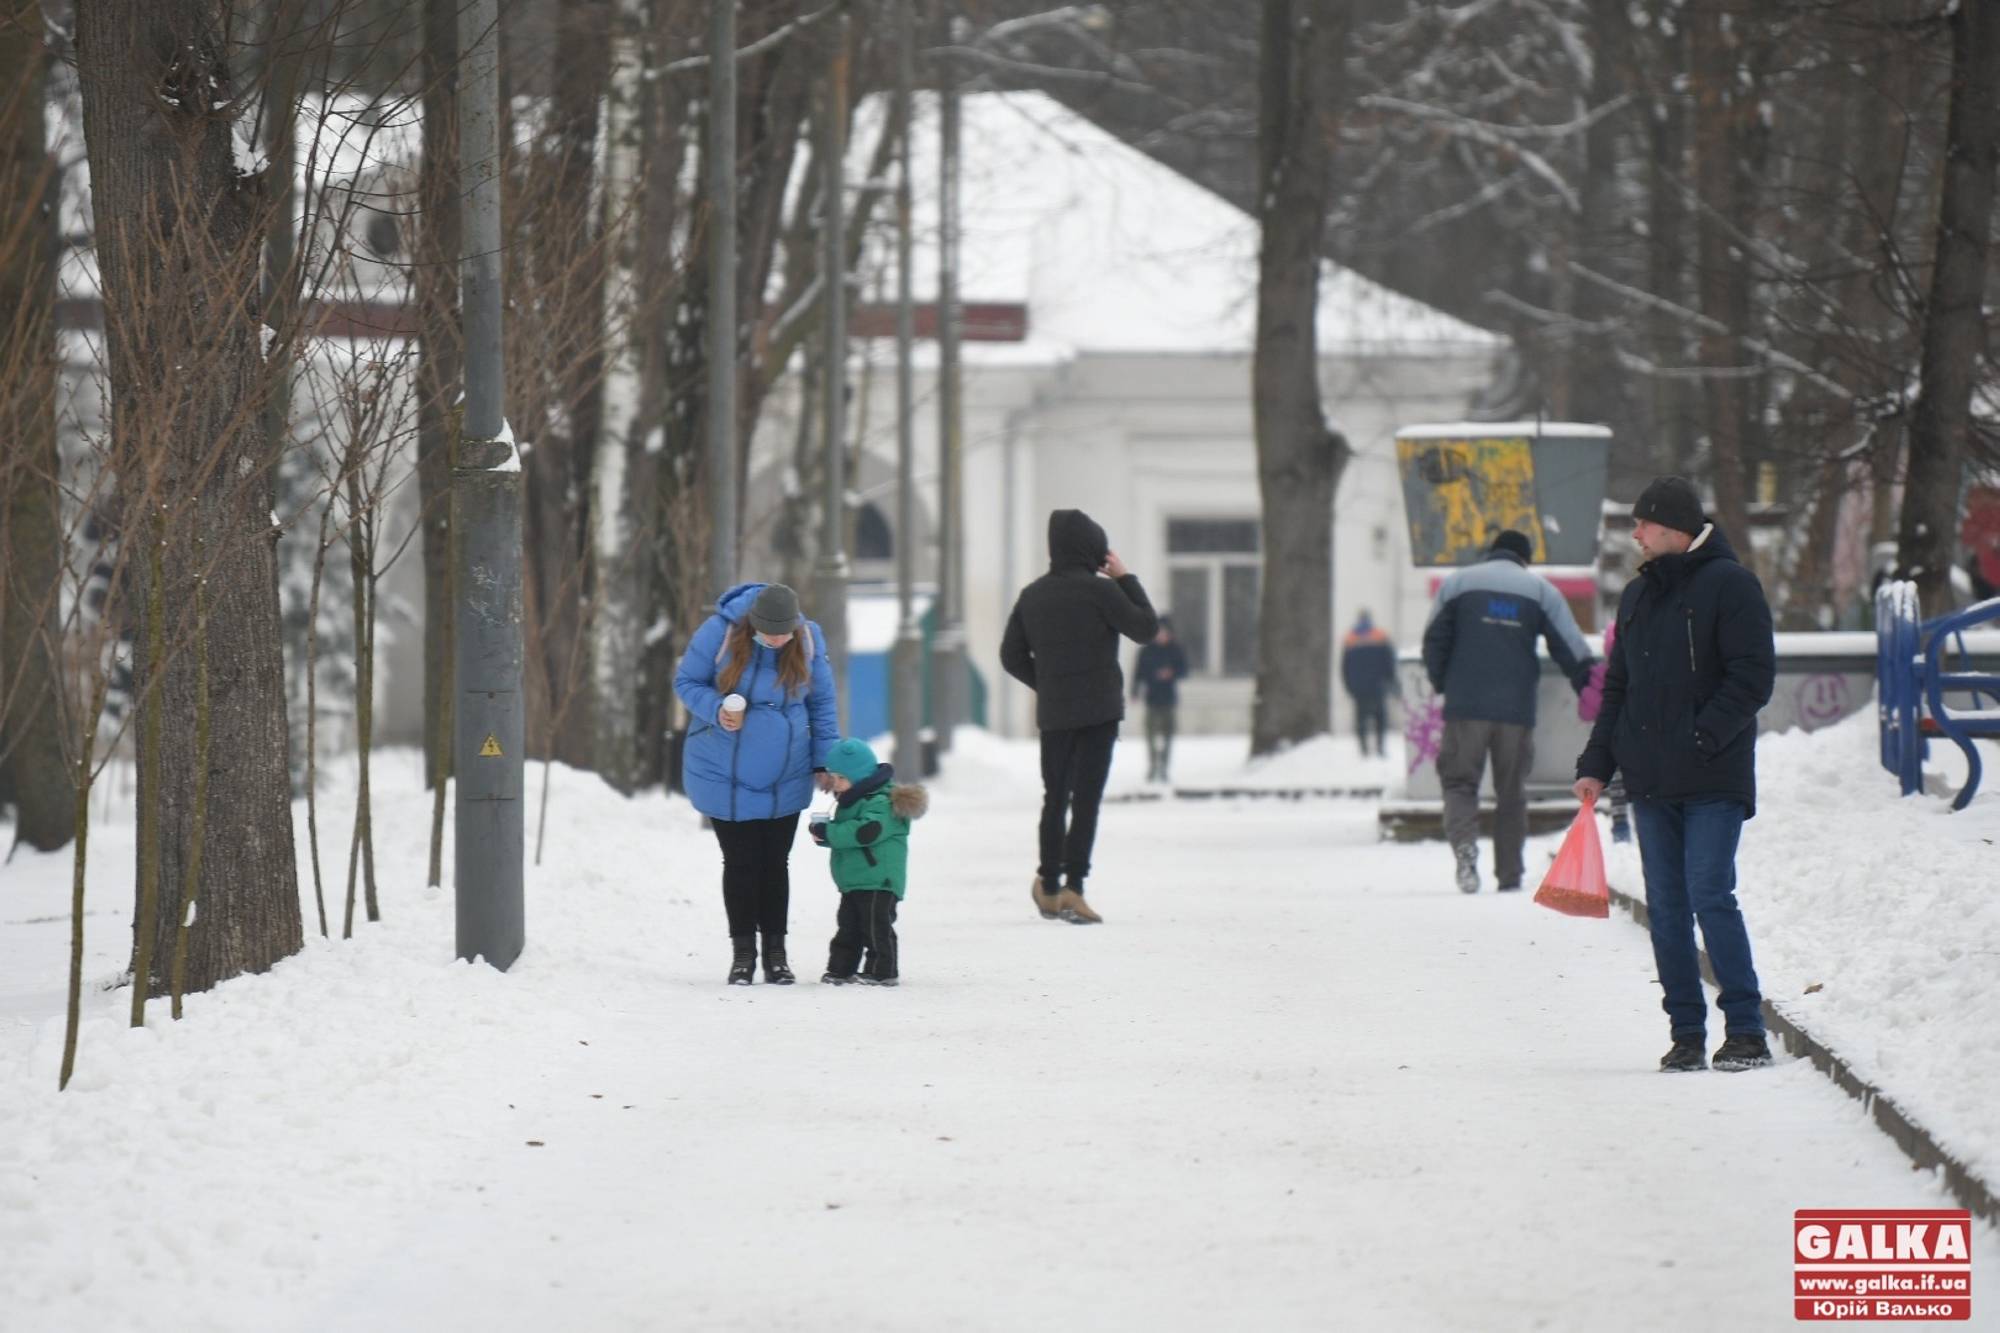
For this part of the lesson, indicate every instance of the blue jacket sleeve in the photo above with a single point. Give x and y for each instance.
(821, 707)
(694, 680)
(1565, 640)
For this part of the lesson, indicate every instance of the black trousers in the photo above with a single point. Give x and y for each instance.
(1074, 766)
(1371, 717)
(756, 872)
(867, 921)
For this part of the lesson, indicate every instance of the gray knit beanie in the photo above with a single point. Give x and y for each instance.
(776, 610)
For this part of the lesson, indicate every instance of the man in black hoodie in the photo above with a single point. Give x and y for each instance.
(1692, 663)
(1062, 643)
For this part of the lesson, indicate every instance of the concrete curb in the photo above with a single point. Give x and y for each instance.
(1151, 797)
(1924, 1151)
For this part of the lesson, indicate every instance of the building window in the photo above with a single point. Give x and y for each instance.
(1214, 572)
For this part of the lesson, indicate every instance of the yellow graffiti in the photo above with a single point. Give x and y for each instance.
(1471, 489)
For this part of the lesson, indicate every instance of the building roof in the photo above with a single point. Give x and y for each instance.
(1113, 252)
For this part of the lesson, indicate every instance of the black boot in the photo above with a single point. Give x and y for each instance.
(743, 971)
(1685, 1056)
(776, 971)
(1740, 1051)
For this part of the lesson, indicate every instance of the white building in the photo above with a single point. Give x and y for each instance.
(1129, 397)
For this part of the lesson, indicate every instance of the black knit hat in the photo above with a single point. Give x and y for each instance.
(1671, 503)
(1513, 543)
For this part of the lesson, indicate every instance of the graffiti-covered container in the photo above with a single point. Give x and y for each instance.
(1466, 481)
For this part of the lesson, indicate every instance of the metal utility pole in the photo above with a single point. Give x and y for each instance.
(486, 542)
(949, 684)
(830, 595)
(722, 291)
(907, 691)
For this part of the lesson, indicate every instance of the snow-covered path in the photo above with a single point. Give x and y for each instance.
(1295, 1082)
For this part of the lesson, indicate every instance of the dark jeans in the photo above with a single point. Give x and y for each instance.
(1371, 717)
(1159, 741)
(867, 920)
(1074, 766)
(756, 874)
(1688, 849)
(1461, 762)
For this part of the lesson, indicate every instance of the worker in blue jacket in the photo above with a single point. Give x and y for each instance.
(1479, 652)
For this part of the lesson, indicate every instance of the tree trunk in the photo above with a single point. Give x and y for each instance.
(34, 777)
(615, 606)
(1721, 279)
(179, 232)
(1954, 326)
(560, 260)
(438, 366)
(1299, 457)
(1667, 343)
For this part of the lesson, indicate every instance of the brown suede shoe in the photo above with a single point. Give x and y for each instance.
(1045, 903)
(1071, 907)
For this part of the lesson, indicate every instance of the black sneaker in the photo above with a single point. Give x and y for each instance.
(867, 980)
(838, 979)
(1515, 887)
(1741, 1051)
(1685, 1057)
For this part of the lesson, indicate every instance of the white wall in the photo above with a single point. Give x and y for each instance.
(1134, 440)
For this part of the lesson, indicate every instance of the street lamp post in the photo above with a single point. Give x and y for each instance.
(489, 729)
(830, 598)
(949, 683)
(906, 664)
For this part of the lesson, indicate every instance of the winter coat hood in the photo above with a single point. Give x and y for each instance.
(1076, 540)
(1667, 572)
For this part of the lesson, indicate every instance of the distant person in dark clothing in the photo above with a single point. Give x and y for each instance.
(1162, 663)
(1479, 652)
(1693, 663)
(1062, 643)
(1368, 670)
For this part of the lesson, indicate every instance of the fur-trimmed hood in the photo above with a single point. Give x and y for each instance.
(910, 800)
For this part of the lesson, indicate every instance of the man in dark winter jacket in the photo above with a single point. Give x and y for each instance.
(1479, 652)
(1692, 663)
(1368, 670)
(1062, 643)
(1158, 672)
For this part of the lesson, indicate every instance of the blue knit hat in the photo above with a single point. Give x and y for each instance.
(852, 759)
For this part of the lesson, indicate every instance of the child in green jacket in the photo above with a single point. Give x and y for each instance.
(869, 835)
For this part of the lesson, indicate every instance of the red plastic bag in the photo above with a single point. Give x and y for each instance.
(1575, 884)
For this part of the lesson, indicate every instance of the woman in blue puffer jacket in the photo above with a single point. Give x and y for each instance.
(752, 772)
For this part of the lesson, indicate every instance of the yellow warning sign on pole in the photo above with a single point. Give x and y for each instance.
(490, 750)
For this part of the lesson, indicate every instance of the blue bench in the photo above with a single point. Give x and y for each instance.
(1912, 680)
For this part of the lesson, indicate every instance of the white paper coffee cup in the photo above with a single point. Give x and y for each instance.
(734, 703)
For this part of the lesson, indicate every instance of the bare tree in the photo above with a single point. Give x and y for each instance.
(34, 778)
(1299, 456)
(1955, 326)
(179, 237)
